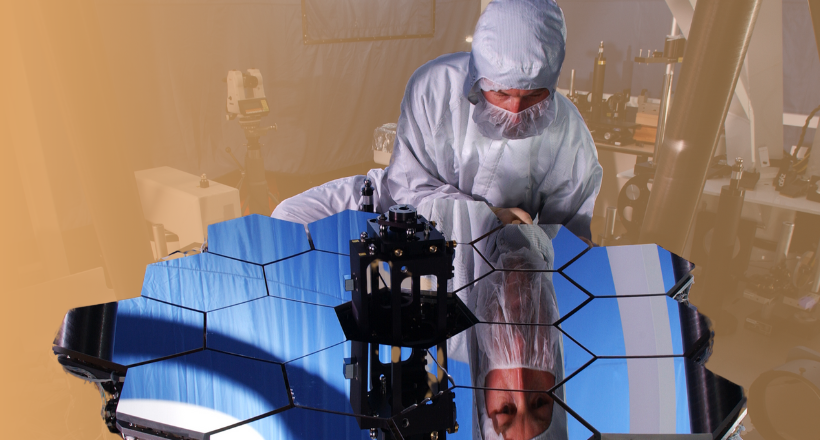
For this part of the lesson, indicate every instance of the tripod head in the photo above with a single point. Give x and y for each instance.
(247, 104)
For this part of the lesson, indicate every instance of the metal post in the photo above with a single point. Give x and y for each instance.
(785, 241)
(815, 287)
(666, 96)
(718, 40)
(664, 107)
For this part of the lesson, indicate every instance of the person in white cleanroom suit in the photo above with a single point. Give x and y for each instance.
(488, 126)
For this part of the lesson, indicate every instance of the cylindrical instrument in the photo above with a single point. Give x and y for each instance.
(785, 241)
(598, 72)
(366, 202)
(572, 84)
(718, 38)
(606, 238)
(663, 112)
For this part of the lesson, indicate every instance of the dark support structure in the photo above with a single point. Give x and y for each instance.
(718, 40)
(394, 312)
(814, 9)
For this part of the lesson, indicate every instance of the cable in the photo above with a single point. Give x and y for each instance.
(88, 377)
(450, 378)
(801, 165)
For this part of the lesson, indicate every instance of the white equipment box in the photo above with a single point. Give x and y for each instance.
(175, 199)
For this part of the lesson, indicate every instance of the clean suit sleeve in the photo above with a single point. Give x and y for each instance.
(421, 148)
(572, 202)
(333, 197)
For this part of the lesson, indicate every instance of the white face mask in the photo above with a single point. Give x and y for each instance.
(496, 123)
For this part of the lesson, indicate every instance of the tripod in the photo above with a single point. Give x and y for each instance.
(258, 199)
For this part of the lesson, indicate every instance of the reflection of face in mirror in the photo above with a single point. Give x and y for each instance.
(518, 348)
(519, 415)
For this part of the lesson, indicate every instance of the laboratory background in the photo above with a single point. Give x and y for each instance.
(141, 135)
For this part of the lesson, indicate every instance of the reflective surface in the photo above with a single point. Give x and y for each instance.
(624, 270)
(257, 239)
(591, 329)
(273, 329)
(639, 395)
(298, 423)
(315, 277)
(148, 330)
(333, 234)
(204, 282)
(630, 326)
(202, 392)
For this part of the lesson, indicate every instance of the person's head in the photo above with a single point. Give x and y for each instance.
(515, 100)
(518, 49)
(519, 351)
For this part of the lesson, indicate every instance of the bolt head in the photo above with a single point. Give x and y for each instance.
(363, 235)
(371, 249)
(398, 252)
(433, 249)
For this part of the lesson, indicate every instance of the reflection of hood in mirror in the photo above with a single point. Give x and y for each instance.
(517, 300)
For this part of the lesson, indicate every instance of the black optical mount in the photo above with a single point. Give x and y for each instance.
(389, 307)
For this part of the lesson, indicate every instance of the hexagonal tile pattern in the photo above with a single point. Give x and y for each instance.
(560, 423)
(298, 423)
(139, 330)
(629, 326)
(317, 380)
(624, 270)
(148, 330)
(333, 234)
(201, 392)
(566, 296)
(257, 239)
(316, 277)
(574, 356)
(638, 395)
(215, 337)
(555, 242)
(567, 247)
(204, 282)
(273, 329)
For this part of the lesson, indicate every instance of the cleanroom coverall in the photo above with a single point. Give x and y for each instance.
(440, 152)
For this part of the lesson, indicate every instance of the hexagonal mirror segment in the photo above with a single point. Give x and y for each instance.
(555, 243)
(297, 423)
(257, 239)
(204, 282)
(529, 297)
(625, 271)
(628, 326)
(273, 329)
(493, 355)
(190, 396)
(317, 380)
(333, 234)
(316, 277)
(632, 396)
(529, 414)
(138, 330)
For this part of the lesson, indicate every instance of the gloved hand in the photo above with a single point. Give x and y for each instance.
(512, 216)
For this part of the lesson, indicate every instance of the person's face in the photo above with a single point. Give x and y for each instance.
(515, 100)
(519, 415)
